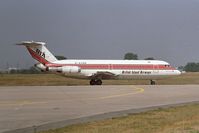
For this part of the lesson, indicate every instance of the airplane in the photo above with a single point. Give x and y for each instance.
(96, 70)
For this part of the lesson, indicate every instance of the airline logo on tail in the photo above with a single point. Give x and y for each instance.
(42, 54)
(39, 51)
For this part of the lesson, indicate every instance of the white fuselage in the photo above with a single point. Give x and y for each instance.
(122, 69)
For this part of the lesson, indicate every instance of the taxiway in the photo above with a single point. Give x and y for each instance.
(29, 106)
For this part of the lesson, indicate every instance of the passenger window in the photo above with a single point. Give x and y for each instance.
(167, 65)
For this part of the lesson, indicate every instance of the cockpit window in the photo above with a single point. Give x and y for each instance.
(167, 65)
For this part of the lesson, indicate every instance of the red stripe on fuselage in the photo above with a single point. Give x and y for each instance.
(37, 57)
(102, 66)
(116, 66)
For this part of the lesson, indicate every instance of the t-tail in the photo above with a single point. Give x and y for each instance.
(39, 51)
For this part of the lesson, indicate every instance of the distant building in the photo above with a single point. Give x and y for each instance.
(3, 71)
(12, 69)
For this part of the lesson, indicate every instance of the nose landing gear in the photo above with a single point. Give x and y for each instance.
(95, 82)
(152, 82)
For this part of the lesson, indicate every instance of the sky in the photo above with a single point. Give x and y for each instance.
(100, 29)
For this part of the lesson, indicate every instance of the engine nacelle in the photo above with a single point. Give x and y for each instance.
(70, 69)
(40, 66)
(64, 69)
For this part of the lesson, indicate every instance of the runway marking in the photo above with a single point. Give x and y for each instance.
(137, 89)
(18, 103)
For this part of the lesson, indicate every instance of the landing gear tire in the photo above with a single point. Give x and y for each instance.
(95, 82)
(92, 82)
(152, 82)
(98, 82)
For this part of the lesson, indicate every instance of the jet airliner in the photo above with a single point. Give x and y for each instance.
(96, 70)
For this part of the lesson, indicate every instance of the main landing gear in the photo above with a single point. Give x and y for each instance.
(99, 82)
(152, 82)
(95, 82)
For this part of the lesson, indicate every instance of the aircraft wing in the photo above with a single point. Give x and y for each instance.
(104, 75)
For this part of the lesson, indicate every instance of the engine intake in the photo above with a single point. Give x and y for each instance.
(64, 69)
(40, 66)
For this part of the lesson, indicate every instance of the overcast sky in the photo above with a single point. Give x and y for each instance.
(101, 29)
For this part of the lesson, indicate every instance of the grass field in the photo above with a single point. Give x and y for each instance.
(54, 80)
(182, 119)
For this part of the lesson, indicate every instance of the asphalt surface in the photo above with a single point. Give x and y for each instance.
(30, 106)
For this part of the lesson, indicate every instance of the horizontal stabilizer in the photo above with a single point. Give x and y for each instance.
(31, 43)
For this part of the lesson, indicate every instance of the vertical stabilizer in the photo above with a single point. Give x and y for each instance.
(39, 51)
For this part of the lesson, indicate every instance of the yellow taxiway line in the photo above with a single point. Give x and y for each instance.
(136, 89)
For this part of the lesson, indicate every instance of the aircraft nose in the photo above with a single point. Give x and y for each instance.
(177, 72)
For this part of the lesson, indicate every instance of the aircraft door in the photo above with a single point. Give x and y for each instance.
(110, 66)
(155, 68)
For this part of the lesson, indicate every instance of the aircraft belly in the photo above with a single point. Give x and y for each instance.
(142, 76)
(125, 74)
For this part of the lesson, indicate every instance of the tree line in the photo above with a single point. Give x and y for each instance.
(191, 67)
(132, 56)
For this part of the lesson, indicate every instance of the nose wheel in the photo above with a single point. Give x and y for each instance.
(152, 82)
(95, 82)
